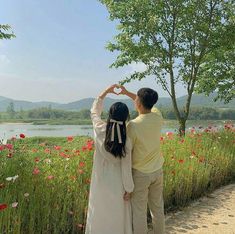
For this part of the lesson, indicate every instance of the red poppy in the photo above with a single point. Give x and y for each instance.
(182, 141)
(62, 154)
(3, 207)
(169, 134)
(36, 171)
(77, 152)
(80, 171)
(181, 161)
(50, 177)
(81, 164)
(201, 159)
(22, 135)
(57, 147)
(47, 150)
(9, 146)
(37, 159)
(2, 147)
(84, 148)
(192, 130)
(10, 155)
(70, 138)
(88, 181)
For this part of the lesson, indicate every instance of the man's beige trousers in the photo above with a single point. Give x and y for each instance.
(148, 191)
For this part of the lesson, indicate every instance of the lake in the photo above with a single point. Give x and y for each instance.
(7, 130)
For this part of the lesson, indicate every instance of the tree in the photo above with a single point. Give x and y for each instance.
(4, 32)
(11, 110)
(177, 40)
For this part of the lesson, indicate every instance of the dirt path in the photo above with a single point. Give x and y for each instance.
(214, 214)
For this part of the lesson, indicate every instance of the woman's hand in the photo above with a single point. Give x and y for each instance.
(123, 90)
(126, 196)
(110, 89)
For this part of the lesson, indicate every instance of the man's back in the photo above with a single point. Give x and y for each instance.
(144, 132)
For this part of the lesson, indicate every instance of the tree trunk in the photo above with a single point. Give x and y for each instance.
(182, 126)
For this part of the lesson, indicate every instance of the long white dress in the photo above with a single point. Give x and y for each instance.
(108, 213)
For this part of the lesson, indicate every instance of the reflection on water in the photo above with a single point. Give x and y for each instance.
(14, 129)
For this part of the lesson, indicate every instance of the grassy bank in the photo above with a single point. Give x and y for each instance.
(44, 182)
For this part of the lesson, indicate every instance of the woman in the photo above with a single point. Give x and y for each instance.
(109, 210)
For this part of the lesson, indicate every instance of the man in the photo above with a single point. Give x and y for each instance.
(147, 161)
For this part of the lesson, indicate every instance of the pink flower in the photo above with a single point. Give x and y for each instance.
(80, 171)
(57, 147)
(9, 146)
(2, 147)
(70, 138)
(47, 151)
(50, 177)
(169, 134)
(36, 171)
(81, 164)
(84, 148)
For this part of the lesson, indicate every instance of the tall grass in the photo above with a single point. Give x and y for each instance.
(44, 182)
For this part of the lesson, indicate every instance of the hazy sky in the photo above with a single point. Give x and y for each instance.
(59, 53)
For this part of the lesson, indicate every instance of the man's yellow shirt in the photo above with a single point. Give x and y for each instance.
(144, 132)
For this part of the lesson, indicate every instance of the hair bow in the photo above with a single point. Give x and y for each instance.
(117, 123)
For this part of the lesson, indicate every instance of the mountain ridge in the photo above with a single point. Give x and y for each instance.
(198, 100)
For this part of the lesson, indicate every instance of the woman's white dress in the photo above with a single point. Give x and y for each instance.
(108, 213)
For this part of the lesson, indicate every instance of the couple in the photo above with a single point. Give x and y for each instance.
(127, 167)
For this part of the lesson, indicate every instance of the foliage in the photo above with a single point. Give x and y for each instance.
(176, 40)
(44, 182)
(11, 110)
(4, 32)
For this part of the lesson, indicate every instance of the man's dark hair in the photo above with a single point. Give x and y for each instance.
(148, 97)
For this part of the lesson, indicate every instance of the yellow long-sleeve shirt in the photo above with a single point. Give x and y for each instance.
(144, 132)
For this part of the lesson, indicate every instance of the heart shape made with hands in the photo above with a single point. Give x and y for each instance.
(117, 90)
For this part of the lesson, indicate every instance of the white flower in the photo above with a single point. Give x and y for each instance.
(14, 204)
(26, 194)
(12, 178)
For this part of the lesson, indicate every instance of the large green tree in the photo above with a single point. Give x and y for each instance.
(177, 40)
(5, 32)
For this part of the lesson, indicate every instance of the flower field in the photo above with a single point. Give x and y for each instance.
(44, 182)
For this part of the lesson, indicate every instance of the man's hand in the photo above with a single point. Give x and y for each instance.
(123, 90)
(127, 93)
(126, 196)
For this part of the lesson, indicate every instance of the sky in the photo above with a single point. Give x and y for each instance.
(59, 52)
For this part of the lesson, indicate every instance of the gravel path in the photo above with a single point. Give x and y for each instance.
(213, 214)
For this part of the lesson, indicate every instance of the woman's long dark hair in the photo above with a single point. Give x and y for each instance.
(119, 112)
